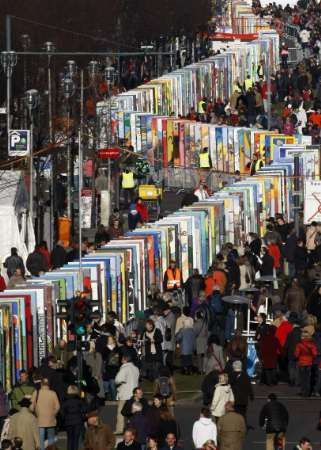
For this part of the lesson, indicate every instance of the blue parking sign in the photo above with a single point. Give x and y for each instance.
(19, 143)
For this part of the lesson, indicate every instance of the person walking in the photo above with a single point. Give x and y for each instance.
(13, 262)
(274, 417)
(126, 380)
(22, 389)
(152, 338)
(204, 429)
(223, 394)
(45, 405)
(24, 424)
(242, 388)
(140, 422)
(72, 414)
(305, 352)
(231, 429)
(99, 436)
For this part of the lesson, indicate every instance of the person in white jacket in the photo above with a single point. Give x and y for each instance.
(204, 429)
(127, 379)
(223, 394)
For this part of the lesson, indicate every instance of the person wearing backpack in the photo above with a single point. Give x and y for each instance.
(14, 262)
(165, 387)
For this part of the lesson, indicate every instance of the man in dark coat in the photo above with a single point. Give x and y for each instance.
(58, 256)
(293, 338)
(275, 418)
(208, 386)
(36, 263)
(138, 397)
(99, 436)
(242, 388)
(194, 284)
(14, 262)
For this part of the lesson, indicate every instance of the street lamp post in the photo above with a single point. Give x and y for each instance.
(25, 43)
(32, 100)
(50, 49)
(8, 61)
(69, 88)
(110, 78)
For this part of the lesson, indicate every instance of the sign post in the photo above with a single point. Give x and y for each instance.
(19, 143)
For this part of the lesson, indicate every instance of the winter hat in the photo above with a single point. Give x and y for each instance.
(237, 366)
(25, 402)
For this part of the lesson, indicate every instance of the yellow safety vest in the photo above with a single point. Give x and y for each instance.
(205, 160)
(248, 83)
(258, 165)
(128, 180)
(201, 107)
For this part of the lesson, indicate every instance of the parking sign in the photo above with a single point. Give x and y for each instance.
(19, 143)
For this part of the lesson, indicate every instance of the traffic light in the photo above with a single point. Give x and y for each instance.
(79, 313)
(83, 314)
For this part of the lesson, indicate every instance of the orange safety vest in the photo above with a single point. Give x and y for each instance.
(173, 279)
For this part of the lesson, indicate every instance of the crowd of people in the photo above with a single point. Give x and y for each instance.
(188, 329)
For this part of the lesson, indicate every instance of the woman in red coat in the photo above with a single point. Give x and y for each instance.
(142, 209)
(269, 348)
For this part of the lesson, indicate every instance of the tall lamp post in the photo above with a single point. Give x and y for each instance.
(110, 76)
(32, 100)
(69, 89)
(25, 43)
(50, 49)
(8, 62)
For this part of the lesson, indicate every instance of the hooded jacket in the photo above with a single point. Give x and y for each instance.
(203, 430)
(223, 394)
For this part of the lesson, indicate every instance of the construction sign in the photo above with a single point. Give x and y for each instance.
(312, 201)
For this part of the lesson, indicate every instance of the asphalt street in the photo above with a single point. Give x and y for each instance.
(304, 415)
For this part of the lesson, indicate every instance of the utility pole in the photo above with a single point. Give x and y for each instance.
(80, 174)
(50, 48)
(32, 99)
(269, 91)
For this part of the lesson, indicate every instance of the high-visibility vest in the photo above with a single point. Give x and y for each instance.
(205, 160)
(173, 278)
(260, 71)
(200, 107)
(248, 83)
(258, 165)
(128, 180)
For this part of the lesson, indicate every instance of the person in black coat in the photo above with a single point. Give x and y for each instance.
(140, 422)
(274, 417)
(36, 263)
(111, 363)
(241, 387)
(138, 397)
(300, 258)
(152, 338)
(58, 256)
(194, 284)
(129, 441)
(167, 424)
(208, 386)
(293, 338)
(72, 412)
(267, 263)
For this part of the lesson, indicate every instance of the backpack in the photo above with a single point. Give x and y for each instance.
(164, 387)
(168, 334)
(216, 304)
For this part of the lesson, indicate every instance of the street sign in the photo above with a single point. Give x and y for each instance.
(312, 201)
(19, 143)
(109, 153)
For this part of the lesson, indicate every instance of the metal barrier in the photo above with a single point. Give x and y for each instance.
(189, 178)
(295, 55)
(291, 31)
